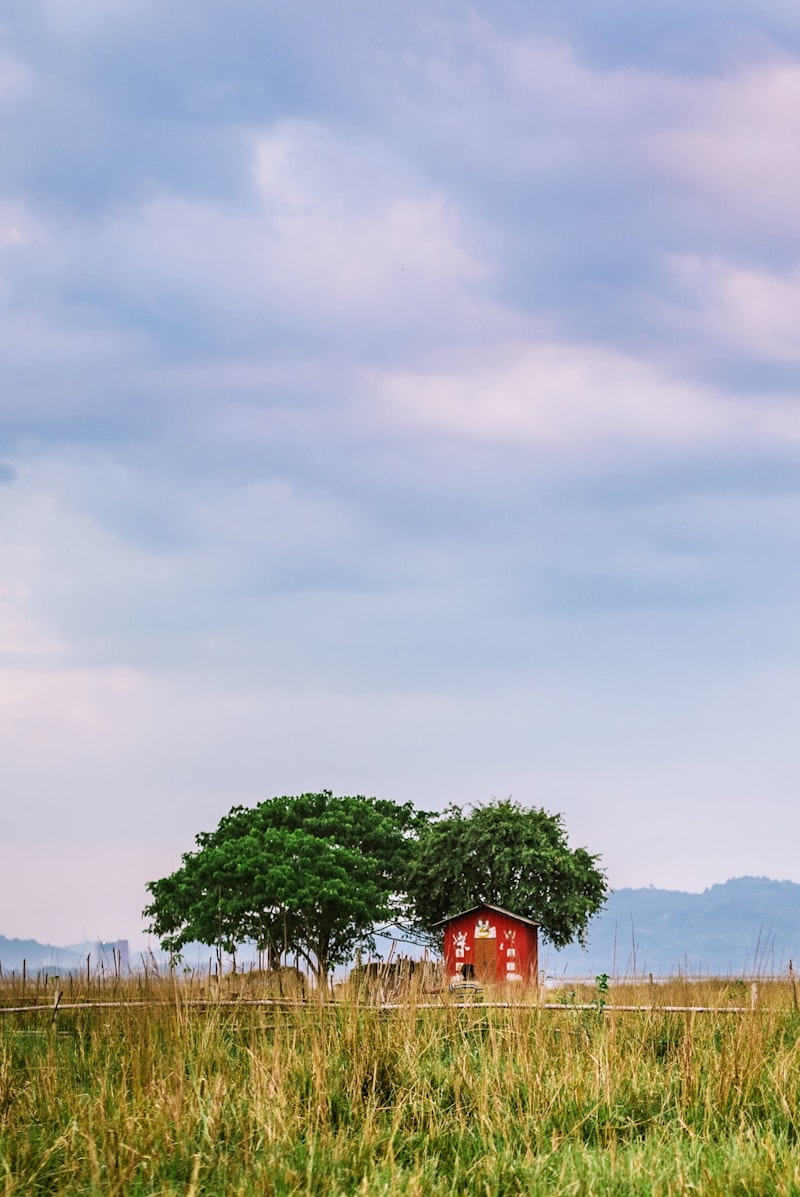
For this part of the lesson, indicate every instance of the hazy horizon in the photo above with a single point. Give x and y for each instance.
(400, 401)
(144, 942)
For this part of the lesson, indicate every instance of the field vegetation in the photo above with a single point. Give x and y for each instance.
(428, 1098)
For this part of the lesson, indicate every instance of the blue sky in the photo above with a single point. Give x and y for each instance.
(397, 399)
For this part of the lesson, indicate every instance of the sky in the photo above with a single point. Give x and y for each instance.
(396, 398)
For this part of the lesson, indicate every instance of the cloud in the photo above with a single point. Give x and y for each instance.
(739, 153)
(15, 79)
(332, 257)
(20, 635)
(582, 401)
(400, 399)
(325, 253)
(735, 311)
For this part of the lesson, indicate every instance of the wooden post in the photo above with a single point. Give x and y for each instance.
(88, 971)
(24, 974)
(54, 1019)
(793, 981)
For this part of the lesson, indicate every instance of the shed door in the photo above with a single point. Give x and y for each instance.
(485, 959)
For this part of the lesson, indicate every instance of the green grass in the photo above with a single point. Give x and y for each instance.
(354, 1100)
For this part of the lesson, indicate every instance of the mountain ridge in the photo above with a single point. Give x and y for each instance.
(743, 925)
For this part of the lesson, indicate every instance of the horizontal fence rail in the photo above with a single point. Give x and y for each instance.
(287, 1004)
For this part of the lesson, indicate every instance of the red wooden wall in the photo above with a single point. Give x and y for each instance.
(494, 946)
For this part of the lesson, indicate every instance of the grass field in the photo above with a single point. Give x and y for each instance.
(349, 1098)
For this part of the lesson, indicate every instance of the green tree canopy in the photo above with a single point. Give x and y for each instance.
(309, 875)
(510, 856)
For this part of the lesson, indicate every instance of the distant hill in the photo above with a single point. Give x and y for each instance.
(38, 955)
(47, 956)
(743, 926)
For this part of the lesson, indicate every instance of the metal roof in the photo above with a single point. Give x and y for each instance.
(486, 906)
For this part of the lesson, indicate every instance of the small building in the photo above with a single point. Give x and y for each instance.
(112, 956)
(489, 944)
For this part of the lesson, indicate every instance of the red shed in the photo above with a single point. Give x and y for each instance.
(489, 944)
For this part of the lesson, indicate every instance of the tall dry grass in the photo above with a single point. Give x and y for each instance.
(352, 1099)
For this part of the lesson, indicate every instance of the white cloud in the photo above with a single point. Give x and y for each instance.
(327, 245)
(21, 636)
(738, 148)
(578, 399)
(735, 310)
(273, 517)
(689, 156)
(69, 21)
(16, 79)
(16, 227)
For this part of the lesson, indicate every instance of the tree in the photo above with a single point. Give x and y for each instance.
(307, 875)
(506, 855)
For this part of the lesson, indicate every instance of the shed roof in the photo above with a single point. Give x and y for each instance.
(520, 918)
